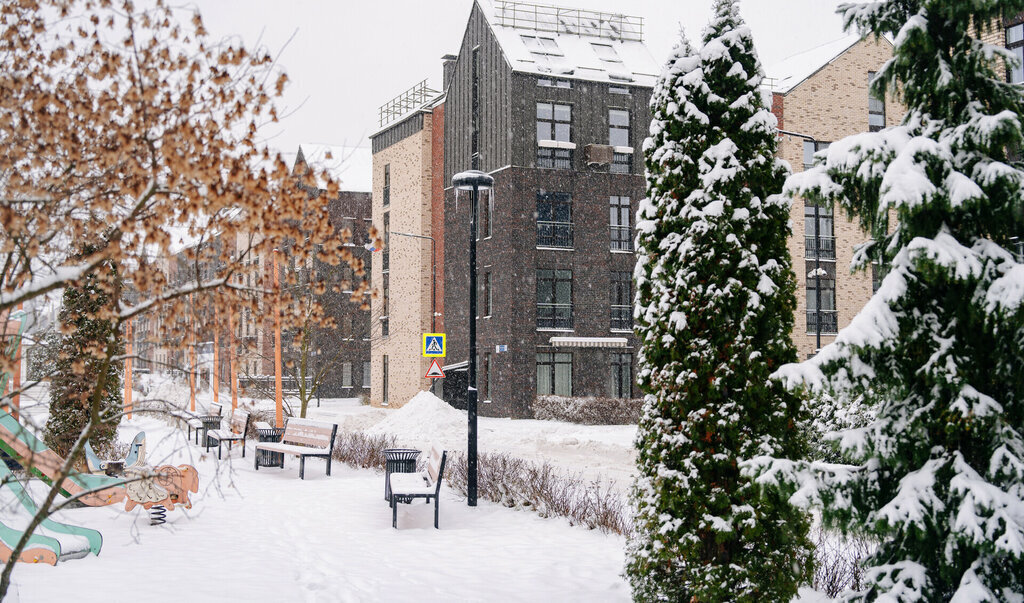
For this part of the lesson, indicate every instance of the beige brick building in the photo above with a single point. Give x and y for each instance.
(401, 271)
(820, 97)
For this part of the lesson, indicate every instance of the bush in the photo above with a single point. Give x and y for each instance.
(521, 484)
(588, 411)
(360, 450)
(839, 562)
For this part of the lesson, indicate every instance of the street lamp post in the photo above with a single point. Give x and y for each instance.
(472, 180)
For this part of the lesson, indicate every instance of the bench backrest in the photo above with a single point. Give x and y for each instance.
(435, 465)
(309, 433)
(239, 421)
(216, 409)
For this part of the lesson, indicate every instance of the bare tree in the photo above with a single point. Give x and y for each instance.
(130, 133)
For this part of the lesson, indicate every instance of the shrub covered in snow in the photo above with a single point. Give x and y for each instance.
(715, 304)
(938, 475)
(587, 411)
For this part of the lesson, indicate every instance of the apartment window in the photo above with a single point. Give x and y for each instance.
(622, 163)
(819, 239)
(618, 220)
(554, 125)
(384, 381)
(606, 52)
(485, 294)
(810, 148)
(387, 184)
(878, 272)
(346, 374)
(618, 90)
(346, 327)
(1015, 43)
(384, 321)
(876, 107)
(554, 122)
(554, 299)
(550, 83)
(366, 374)
(385, 259)
(826, 276)
(621, 301)
(554, 373)
(554, 220)
(618, 127)
(621, 375)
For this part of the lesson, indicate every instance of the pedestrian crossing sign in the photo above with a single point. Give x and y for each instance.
(433, 345)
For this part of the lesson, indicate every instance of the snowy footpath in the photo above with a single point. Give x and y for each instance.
(267, 536)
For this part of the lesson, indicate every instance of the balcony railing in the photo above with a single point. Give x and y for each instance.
(554, 316)
(554, 234)
(820, 247)
(829, 322)
(622, 318)
(622, 238)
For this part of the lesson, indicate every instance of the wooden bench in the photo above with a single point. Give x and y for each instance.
(302, 438)
(235, 432)
(207, 422)
(425, 484)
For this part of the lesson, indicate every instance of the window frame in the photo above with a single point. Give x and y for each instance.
(618, 129)
(549, 362)
(559, 231)
(621, 300)
(1015, 75)
(620, 375)
(553, 300)
(876, 106)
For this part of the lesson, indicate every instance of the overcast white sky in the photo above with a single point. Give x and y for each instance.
(348, 57)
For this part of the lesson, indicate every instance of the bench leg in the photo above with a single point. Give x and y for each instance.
(437, 501)
(243, 449)
(302, 467)
(394, 512)
(328, 464)
(256, 460)
(219, 447)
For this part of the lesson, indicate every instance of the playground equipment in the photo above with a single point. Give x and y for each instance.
(136, 456)
(51, 542)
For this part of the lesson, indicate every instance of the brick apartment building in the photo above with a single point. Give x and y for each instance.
(553, 103)
(821, 96)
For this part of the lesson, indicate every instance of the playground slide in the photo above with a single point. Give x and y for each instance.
(28, 450)
(52, 541)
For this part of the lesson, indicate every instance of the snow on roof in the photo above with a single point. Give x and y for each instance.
(597, 48)
(786, 74)
(351, 167)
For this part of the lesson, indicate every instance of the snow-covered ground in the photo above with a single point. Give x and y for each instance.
(267, 536)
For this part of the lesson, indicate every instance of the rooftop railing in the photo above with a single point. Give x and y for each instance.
(574, 21)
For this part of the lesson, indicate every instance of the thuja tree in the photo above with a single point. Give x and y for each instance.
(85, 386)
(937, 477)
(715, 303)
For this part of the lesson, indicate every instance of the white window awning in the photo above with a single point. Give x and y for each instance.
(590, 342)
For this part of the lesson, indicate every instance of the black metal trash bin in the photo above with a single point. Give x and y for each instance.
(269, 434)
(209, 422)
(398, 460)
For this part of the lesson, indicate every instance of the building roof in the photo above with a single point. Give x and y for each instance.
(571, 43)
(790, 72)
(351, 167)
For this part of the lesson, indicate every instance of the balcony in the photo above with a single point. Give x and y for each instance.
(554, 234)
(622, 318)
(829, 322)
(823, 248)
(622, 238)
(554, 316)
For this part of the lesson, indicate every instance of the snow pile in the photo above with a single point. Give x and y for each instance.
(424, 419)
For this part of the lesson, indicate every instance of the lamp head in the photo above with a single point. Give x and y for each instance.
(471, 179)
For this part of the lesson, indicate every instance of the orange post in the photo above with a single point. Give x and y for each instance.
(279, 407)
(214, 373)
(128, 371)
(231, 357)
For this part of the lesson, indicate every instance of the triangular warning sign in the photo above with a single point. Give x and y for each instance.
(434, 372)
(433, 345)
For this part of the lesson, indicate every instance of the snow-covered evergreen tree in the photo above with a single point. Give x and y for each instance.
(714, 311)
(938, 475)
(85, 387)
